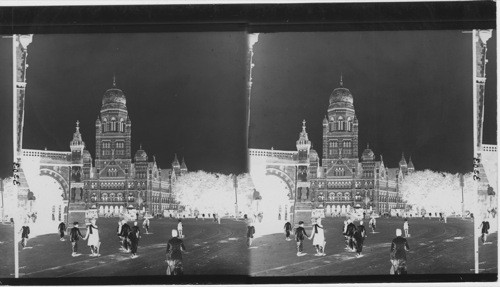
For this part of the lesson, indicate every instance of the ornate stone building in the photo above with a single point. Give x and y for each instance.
(116, 180)
(342, 179)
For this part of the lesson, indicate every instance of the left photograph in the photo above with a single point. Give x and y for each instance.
(130, 155)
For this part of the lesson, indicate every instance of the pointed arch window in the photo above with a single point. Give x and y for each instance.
(349, 124)
(113, 124)
(105, 126)
(122, 125)
(340, 124)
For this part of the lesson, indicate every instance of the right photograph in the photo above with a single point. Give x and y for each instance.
(373, 153)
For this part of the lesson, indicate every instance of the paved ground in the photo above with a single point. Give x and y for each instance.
(212, 249)
(436, 248)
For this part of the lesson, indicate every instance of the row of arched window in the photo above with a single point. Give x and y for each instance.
(335, 144)
(341, 124)
(107, 144)
(113, 125)
(339, 196)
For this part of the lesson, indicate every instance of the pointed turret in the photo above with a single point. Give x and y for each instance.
(403, 167)
(175, 163)
(325, 121)
(184, 168)
(411, 167)
(303, 143)
(402, 162)
(77, 142)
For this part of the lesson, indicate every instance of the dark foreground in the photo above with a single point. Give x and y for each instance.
(211, 249)
(436, 248)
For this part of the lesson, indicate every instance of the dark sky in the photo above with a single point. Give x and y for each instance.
(412, 92)
(186, 94)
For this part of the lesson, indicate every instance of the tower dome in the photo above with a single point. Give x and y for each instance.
(140, 155)
(114, 98)
(313, 154)
(368, 154)
(341, 95)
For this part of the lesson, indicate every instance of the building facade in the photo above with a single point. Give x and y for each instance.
(342, 179)
(115, 180)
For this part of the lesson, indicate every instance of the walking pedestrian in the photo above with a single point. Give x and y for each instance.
(119, 231)
(250, 229)
(318, 236)
(406, 227)
(485, 227)
(288, 229)
(351, 229)
(344, 232)
(300, 234)
(179, 228)
(62, 230)
(74, 236)
(25, 232)
(175, 247)
(145, 224)
(134, 236)
(92, 236)
(359, 238)
(399, 246)
(373, 224)
(125, 230)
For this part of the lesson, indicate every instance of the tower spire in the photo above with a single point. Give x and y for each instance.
(341, 82)
(304, 125)
(114, 80)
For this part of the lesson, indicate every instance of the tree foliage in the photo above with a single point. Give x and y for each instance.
(438, 191)
(213, 192)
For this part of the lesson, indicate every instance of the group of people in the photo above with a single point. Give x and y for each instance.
(354, 237)
(129, 237)
(317, 236)
(92, 237)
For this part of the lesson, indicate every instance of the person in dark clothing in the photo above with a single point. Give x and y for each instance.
(344, 232)
(134, 236)
(25, 231)
(300, 234)
(175, 247)
(399, 247)
(125, 230)
(250, 229)
(288, 228)
(62, 230)
(74, 236)
(359, 238)
(350, 230)
(485, 226)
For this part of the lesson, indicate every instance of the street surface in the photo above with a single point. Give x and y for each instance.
(211, 249)
(435, 248)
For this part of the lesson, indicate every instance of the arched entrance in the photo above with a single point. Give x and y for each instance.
(48, 205)
(275, 205)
